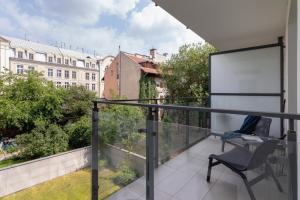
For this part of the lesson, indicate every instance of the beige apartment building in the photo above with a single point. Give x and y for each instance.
(64, 67)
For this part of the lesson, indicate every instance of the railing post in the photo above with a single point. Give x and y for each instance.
(292, 158)
(156, 135)
(187, 130)
(150, 156)
(95, 148)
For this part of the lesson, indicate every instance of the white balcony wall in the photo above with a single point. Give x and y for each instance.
(256, 71)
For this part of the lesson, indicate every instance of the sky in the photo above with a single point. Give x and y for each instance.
(95, 25)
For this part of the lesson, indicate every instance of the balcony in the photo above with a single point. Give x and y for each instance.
(184, 177)
(172, 160)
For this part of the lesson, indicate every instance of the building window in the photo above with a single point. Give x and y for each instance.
(66, 61)
(20, 54)
(87, 86)
(87, 76)
(66, 74)
(31, 56)
(20, 69)
(73, 84)
(93, 66)
(50, 59)
(73, 75)
(74, 63)
(93, 87)
(30, 68)
(87, 65)
(58, 73)
(93, 77)
(58, 84)
(50, 72)
(59, 60)
(67, 85)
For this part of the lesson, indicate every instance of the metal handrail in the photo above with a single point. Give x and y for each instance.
(294, 116)
(152, 144)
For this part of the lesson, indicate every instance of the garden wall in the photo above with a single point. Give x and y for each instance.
(116, 156)
(27, 174)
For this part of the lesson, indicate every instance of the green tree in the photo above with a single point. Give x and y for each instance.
(27, 98)
(44, 140)
(186, 73)
(80, 133)
(117, 122)
(77, 103)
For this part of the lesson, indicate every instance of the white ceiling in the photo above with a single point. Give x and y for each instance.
(230, 24)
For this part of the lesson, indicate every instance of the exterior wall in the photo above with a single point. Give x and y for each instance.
(130, 76)
(9, 48)
(25, 175)
(111, 85)
(43, 67)
(117, 156)
(292, 70)
(5, 52)
(104, 64)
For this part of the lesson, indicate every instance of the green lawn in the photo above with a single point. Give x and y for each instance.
(8, 162)
(74, 186)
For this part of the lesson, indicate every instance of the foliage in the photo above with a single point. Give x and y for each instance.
(27, 98)
(186, 73)
(44, 140)
(9, 162)
(125, 175)
(166, 137)
(77, 102)
(132, 140)
(147, 88)
(117, 122)
(79, 133)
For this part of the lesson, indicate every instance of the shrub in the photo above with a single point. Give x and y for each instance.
(79, 133)
(125, 175)
(44, 140)
(117, 122)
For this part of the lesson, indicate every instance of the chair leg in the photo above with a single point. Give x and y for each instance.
(248, 186)
(223, 145)
(271, 172)
(209, 169)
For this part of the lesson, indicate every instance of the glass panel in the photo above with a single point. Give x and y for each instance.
(122, 132)
(254, 71)
(226, 122)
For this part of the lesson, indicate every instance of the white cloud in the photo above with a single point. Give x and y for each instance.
(147, 28)
(161, 29)
(85, 11)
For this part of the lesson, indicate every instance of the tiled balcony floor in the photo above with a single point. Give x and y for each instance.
(184, 178)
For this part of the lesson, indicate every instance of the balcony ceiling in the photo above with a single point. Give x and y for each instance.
(230, 24)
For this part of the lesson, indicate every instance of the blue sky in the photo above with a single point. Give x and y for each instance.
(95, 25)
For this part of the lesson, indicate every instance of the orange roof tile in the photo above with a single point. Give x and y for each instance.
(150, 70)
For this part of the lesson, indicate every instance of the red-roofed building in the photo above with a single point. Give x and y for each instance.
(122, 77)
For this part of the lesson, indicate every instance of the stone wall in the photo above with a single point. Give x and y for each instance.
(116, 156)
(27, 174)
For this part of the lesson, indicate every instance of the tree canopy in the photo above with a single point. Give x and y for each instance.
(186, 73)
(28, 98)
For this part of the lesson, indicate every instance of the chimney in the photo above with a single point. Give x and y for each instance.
(152, 53)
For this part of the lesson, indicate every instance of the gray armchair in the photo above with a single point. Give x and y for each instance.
(262, 129)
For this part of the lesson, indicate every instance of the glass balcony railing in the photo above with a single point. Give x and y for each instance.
(162, 151)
